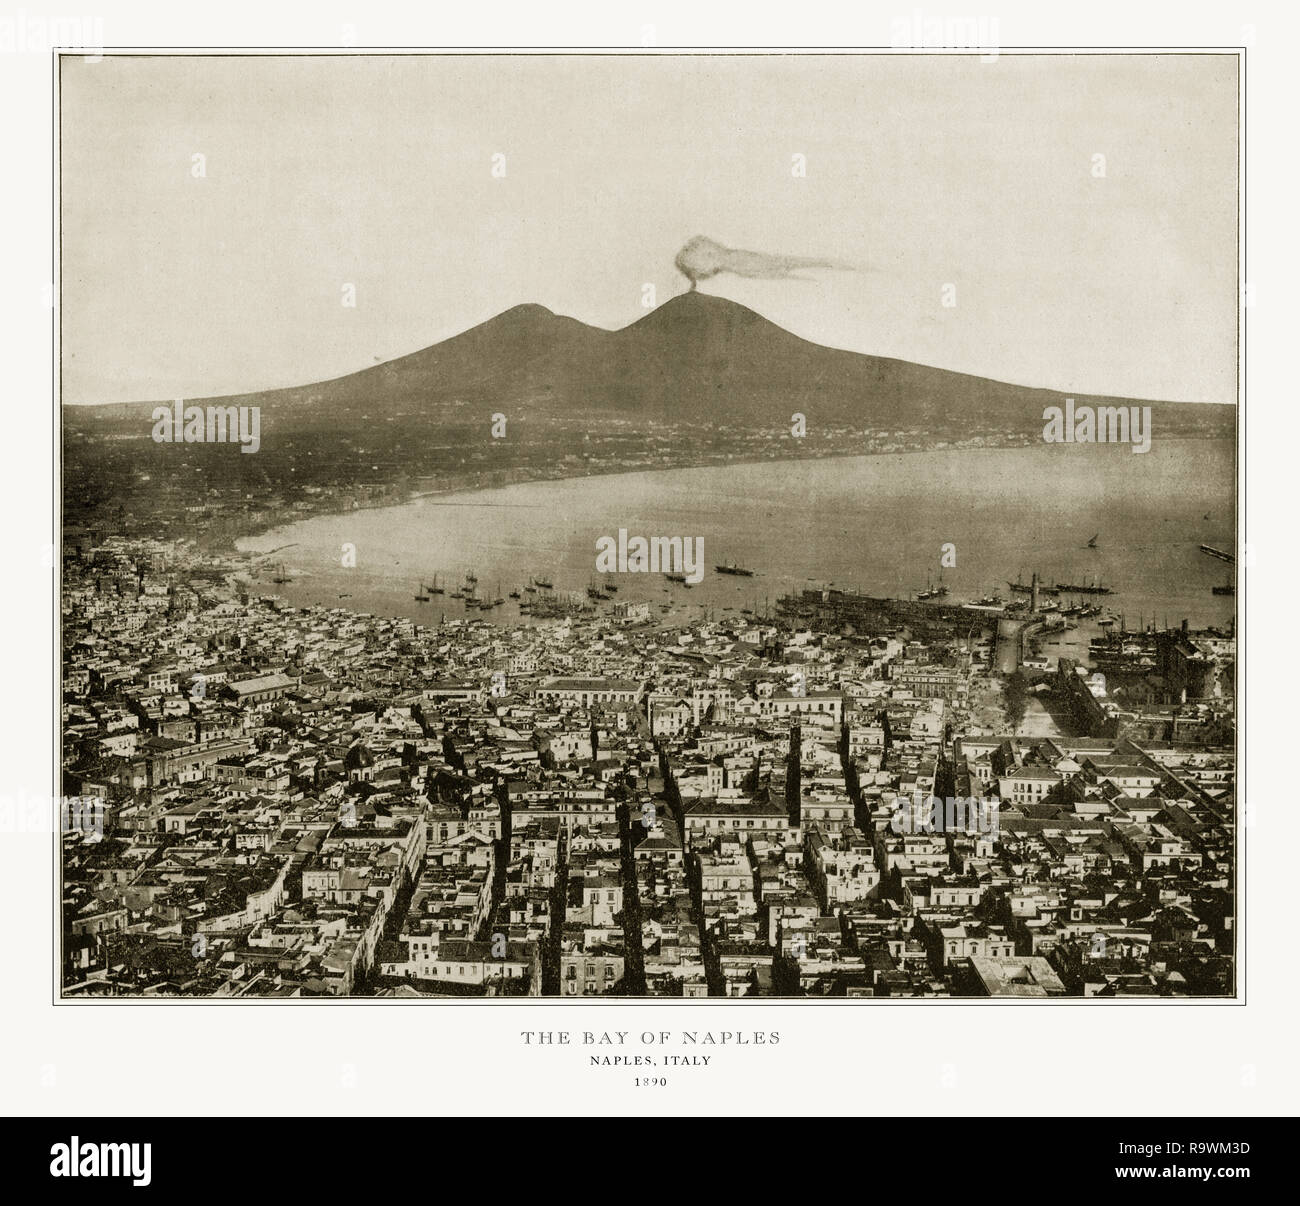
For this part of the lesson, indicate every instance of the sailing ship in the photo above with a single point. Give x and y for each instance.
(933, 592)
(1092, 544)
(732, 568)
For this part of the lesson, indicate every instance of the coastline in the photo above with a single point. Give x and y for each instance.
(900, 509)
(475, 485)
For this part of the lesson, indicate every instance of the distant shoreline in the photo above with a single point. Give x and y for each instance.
(526, 478)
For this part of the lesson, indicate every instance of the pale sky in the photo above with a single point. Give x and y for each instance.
(377, 172)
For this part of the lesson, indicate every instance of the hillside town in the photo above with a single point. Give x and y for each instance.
(277, 802)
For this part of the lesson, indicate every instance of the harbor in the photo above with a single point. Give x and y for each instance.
(533, 538)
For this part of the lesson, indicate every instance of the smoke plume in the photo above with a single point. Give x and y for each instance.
(702, 258)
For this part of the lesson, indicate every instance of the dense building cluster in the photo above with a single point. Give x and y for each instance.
(313, 802)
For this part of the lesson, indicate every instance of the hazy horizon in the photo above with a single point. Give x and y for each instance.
(523, 305)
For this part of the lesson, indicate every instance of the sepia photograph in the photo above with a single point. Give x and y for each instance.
(710, 527)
